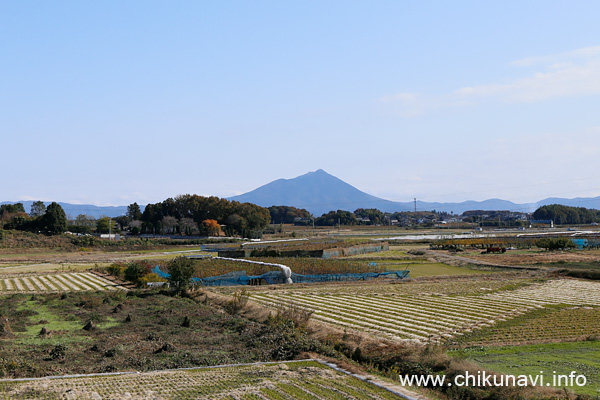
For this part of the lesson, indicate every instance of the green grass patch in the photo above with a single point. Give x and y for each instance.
(582, 357)
(65, 330)
(53, 320)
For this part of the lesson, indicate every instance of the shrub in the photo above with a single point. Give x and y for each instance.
(58, 352)
(560, 243)
(181, 269)
(89, 301)
(239, 301)
(85, 241)
(136, 270)
(116, 270)
(300, 316)
(151, 277)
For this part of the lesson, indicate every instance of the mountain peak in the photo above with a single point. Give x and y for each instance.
(316, 191)
(319, 172)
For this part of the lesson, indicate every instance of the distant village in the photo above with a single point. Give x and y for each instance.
(474, 218)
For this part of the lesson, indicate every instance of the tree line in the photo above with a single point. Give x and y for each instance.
(214, 216)
(560, 214)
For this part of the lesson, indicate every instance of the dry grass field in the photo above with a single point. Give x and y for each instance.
(295, 380)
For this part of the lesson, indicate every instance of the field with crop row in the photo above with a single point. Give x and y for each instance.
(559, 291)
(301, 380)
(550, 324)
(428, 316)
(401, 317)
(66, 282)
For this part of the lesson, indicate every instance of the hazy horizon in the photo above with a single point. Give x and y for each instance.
(588, 202)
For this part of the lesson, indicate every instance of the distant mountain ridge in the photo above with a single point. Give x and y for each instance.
(319, 192)
(73, 210)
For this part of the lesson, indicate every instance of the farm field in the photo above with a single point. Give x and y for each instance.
(582, 357)
(534, 257)
(557, 323)
(427, 312)
(421, 269)
(292, 380)
(62, 282)
(44, 267)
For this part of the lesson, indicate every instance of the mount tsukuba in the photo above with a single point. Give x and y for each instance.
(320, 192)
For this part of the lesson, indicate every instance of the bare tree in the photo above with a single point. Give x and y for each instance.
(169, 224)
(188, 226)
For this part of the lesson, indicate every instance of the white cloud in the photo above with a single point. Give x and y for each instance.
(585, 53)
(564, 80)
(565, 75)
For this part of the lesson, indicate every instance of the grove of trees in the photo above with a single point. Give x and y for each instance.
(375, 216)
(333, 218)
(186, 214)
(287, 214)
(51, 220)
(565, 215)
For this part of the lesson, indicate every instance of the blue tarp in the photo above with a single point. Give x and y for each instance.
(276, 277)
(580, 243)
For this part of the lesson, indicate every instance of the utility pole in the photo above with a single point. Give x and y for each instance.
(415, 204)
(109, 228)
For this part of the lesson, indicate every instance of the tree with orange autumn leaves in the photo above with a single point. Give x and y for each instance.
(212, 227)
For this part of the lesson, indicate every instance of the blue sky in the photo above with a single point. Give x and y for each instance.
(113, 102)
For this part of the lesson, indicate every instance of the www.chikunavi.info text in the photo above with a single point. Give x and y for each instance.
(486, 379)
